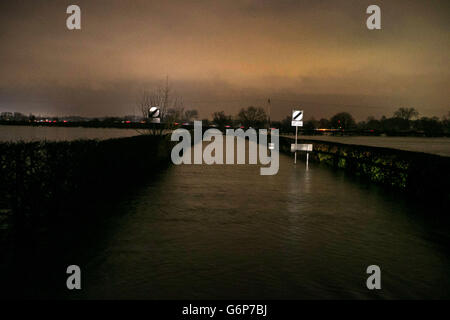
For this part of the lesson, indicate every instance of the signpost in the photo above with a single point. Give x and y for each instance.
(297, 121)
(297, 118)
(302, 147)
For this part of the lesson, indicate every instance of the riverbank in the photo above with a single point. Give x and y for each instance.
(416, 173)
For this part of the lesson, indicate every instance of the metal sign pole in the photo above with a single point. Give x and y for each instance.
(295, 153)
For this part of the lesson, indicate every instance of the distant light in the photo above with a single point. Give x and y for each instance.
(128, 121)
(227, 126)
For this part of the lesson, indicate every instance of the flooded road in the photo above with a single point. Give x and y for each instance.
(224, 231)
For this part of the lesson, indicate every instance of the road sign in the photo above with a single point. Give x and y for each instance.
(297, 121)
(301, 147)
(297, 118)
(153, 114)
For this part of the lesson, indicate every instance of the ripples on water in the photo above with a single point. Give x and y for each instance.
(224, 231)
(37, 133)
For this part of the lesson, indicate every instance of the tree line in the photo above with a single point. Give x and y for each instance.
(404, 121)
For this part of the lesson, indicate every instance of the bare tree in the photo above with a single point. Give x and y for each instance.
(252, 117)
(171, 110)
(220, 119)
(406, 113)
(342, 120)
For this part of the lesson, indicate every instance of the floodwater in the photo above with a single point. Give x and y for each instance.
(439, 146)
(36, 133)
(225, 231)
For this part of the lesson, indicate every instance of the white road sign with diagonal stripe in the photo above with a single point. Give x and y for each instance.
(297, 115)
(153, 112)
(297, 118)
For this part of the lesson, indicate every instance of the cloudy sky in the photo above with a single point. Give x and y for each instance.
(224, 55)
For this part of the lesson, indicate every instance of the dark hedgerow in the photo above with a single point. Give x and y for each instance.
(43, 179)
(421, 175)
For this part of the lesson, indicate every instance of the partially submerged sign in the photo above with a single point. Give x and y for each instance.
(297, 118)
(301, 147)
(297, 121)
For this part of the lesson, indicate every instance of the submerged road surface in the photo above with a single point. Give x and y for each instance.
(224, 231)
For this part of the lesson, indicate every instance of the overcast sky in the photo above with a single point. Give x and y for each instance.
(224, 55)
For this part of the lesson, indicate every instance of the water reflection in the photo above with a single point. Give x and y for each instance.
(225, 231)
(38, 133)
